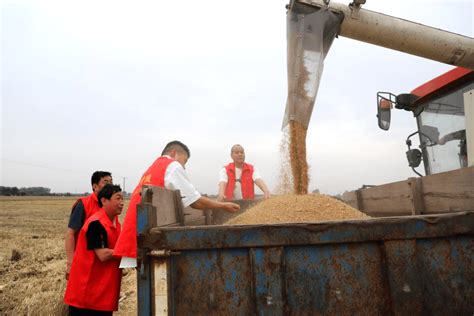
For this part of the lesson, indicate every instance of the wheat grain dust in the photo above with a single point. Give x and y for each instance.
(285, 176)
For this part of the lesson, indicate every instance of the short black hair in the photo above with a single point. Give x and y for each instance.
(96, 176)
(175, 144)
(107, 191)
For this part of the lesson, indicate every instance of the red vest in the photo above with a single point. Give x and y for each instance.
(246, 182)
(94, 284)
(127, 242)
(91, 206)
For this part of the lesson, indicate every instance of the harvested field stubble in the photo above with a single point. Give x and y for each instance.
(297, 209)
(32, 258)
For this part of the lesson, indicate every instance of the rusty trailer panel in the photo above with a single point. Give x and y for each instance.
(420, 265)
(219, 217)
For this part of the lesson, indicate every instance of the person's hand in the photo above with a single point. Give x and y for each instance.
(231, 207)
(441, 141)
(68, 269)
(266, 195)
(221, 198)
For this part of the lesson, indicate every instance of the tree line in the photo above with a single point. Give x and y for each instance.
(36, 191)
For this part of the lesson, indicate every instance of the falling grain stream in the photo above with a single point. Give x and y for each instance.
(297, 151)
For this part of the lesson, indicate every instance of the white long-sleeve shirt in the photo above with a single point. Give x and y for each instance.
(175, 179)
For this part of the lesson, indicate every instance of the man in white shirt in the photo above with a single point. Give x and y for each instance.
(236, 180)
(167, 171)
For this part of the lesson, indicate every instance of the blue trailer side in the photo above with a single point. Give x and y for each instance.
(419, 265)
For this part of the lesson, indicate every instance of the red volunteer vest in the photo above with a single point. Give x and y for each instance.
(246, 182)
(94, 284)
(91, 204)
(127, 242)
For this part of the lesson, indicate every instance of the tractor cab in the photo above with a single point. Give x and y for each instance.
(445, 120)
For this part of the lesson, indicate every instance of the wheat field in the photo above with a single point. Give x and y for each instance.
(33, 261)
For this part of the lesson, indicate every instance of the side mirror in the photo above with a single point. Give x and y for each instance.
(385, 102)
(414, 156)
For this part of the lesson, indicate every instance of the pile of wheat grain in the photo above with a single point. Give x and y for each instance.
(297, 209)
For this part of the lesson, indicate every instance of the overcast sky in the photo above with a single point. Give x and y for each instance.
(104, 85)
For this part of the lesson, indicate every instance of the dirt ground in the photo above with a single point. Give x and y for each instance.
(32, 258)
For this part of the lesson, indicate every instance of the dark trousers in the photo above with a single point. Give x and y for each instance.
(76, 311)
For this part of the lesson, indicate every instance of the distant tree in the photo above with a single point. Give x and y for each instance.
(42, 191)
(15, 191)
(25, 191)
(5, 190)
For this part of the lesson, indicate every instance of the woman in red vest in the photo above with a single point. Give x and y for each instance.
(93, 287)
(236, 180)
